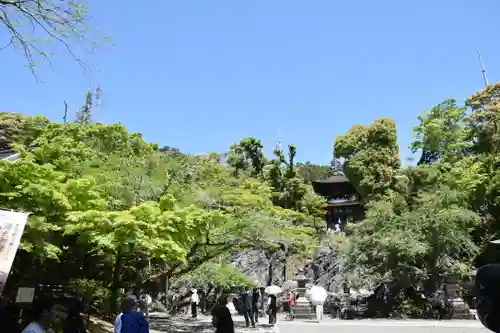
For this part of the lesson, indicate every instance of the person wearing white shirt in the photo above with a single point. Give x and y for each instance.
(195, 300)
(319, 311)
(44, 316)
(145, 302)
(118, 323)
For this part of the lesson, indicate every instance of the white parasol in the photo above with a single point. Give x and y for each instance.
(273, 290)
(317, 295)
(364, 293)
(231, 308)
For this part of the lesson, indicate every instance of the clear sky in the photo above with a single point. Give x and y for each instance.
(199, 75)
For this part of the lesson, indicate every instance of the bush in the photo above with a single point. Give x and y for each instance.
(93, 293)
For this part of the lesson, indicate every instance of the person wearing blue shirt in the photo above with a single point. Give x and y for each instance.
(131, 321)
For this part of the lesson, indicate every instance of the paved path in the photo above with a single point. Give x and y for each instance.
(159, 322)
(182, 324)
(381, 326)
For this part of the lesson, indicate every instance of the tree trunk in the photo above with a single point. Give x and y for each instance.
(115, 285)
(285, 263)
(270, 273)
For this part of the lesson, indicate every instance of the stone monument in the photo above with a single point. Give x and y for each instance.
(302, 304)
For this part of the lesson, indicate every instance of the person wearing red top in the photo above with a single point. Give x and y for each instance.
(291, 301)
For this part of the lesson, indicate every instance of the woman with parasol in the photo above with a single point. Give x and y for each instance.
(272, 303)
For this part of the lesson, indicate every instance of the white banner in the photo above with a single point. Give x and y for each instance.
(11, 229)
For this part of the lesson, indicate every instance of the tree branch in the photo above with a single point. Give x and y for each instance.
(60, 21)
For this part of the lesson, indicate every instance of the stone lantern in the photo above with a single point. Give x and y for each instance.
(302, 304)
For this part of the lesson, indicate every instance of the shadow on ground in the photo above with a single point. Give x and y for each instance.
(97, 325)
(181, 325)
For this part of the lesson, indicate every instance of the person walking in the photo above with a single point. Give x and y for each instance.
(195, 300)
(291, 302)
(43, 317)
(131, 321)
(127, 305)
(8, 315)
(144, 303)
(256, 303)
(319, 311)
(221, 317)
(272, 309)
(74, 321)
(246, 305)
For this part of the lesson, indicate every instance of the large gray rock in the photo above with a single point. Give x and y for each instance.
(324, 270)
(256, 264)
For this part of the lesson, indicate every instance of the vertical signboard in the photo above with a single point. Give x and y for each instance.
(11, 229)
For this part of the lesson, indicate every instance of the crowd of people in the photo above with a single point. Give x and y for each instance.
(249, 304)
(133, 318)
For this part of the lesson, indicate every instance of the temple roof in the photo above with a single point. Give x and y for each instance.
(336, 186)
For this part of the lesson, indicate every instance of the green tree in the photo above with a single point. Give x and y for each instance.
(371, 156)
(441, 134)
(310, 172)
(214, 274)
(484, 122)
(247, 155)
(20, 129)
(427, 243)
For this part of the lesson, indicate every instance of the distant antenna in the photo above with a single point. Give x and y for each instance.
(483, 70)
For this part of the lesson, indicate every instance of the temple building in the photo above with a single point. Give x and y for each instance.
(343, 205)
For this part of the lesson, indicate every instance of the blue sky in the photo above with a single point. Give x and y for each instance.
(199, 75)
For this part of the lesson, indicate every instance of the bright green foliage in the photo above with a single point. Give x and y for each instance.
(310, 172)
(246, 217)
(105, 198)
(426, 244)
(372, 157)
(16, 128)
(431, 220)
(141, 228)
(247, 155)
(29, 187)
(214, 273)
(289, 190)
(441, 134)
(484, 122)
(111, 209)
(69, 146)
(93, 292)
